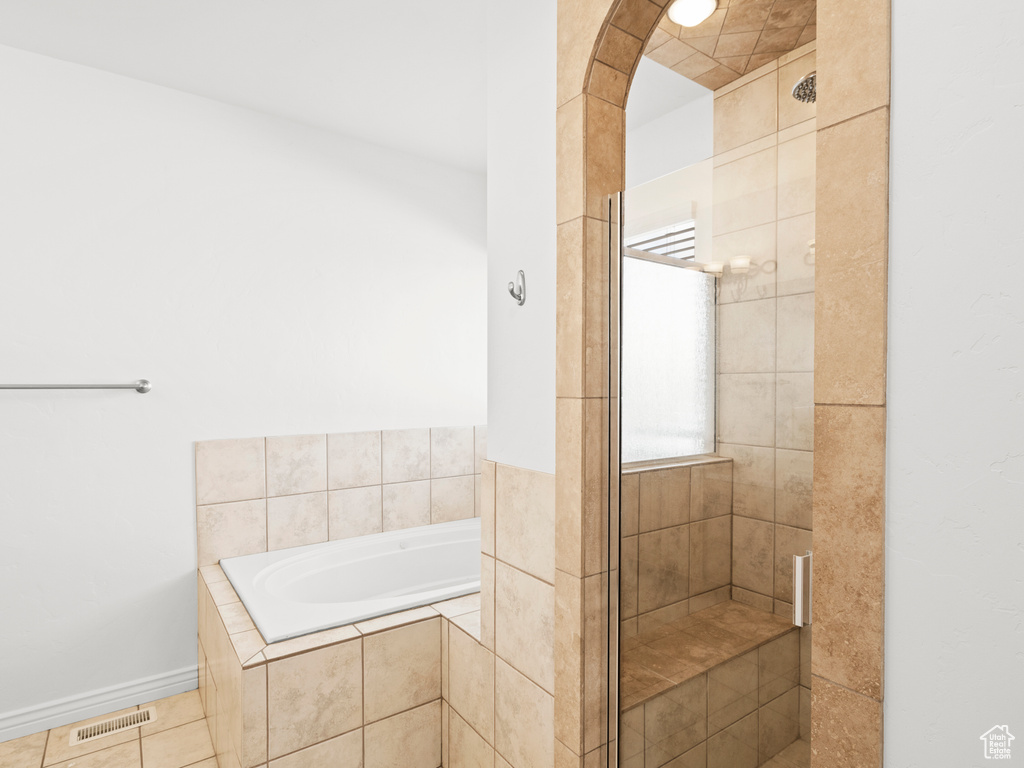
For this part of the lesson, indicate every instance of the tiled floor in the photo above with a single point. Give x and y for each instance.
(178, 738)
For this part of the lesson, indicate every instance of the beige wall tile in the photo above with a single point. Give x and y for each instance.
(569, 311)
(753, 549)
(794, 411)
(228, 530)
(793, 482)
(342, 752)
(664, 498)
(525, 520)
(796, 176)
(746, 337)
(487, 567)
(406, 505)
(735, 746)
(296, 464)
(792, 111)
(849, 516)
(759, 244)
(745, 193)
(753, 480)
(230, 470)
(524, 620)
(788, 542)
(479, 446)
(405, 455)
(296, 520)
(569, 121)
(732, 691)
(664, 567)
(487, 479)
(628, 575)
(796, 258)
(401, 669)
(353, 460)
(314, 696)
(608, 84)
(850, 309)
(304, 643)
(846, 727)
(778, 664)
(595, 311)
(746, 408)
(710, 490)
(638, 17)
(452, 498)
(569, 485)
(708, 599)
(604, 155)
(471, 681)
(254, 717)
(569, 652)
(467, 747)
(595, 485)
(409, 740)
(631, 738)
(779, 723)
(805, 713)
(452, 451)
(675, 721)
(355, 512)
(747, 113)
(579, 24)
(629, 504)
(236, 619)
(595, 661)
(523, 719)
(795, 351)
(853, 58)
(619, 50)
(710, 554)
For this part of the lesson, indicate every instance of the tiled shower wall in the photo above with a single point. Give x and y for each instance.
(764, 193)
(266, 493)
(676, 541)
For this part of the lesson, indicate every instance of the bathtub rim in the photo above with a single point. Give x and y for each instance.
(278, 624)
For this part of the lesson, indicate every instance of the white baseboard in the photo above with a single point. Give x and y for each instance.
(52, 714)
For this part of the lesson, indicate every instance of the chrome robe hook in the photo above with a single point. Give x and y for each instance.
(518, 288)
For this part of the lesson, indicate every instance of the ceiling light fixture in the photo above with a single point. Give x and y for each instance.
(690, 13)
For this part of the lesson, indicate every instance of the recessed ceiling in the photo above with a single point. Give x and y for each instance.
(739, 37)
(405, 74)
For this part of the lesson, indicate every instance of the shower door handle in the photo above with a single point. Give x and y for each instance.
(802, 589)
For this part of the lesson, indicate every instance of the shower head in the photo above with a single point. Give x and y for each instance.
(806, 89)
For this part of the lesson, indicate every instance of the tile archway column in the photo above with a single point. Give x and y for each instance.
(599, 47)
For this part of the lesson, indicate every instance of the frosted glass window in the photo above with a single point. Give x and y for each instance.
(668, 361)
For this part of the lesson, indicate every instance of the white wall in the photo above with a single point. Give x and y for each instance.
(675, 140)
(267, 277)
(955, 536)
(521, 69)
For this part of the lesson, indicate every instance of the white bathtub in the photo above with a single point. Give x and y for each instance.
(296, 591)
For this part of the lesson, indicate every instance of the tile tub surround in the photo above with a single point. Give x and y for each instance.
(719, 687)
(368, 694)
(264, 494)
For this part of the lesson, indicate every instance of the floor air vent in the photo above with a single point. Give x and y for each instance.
(113, 725)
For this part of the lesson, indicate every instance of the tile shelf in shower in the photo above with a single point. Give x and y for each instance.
(674, 653)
